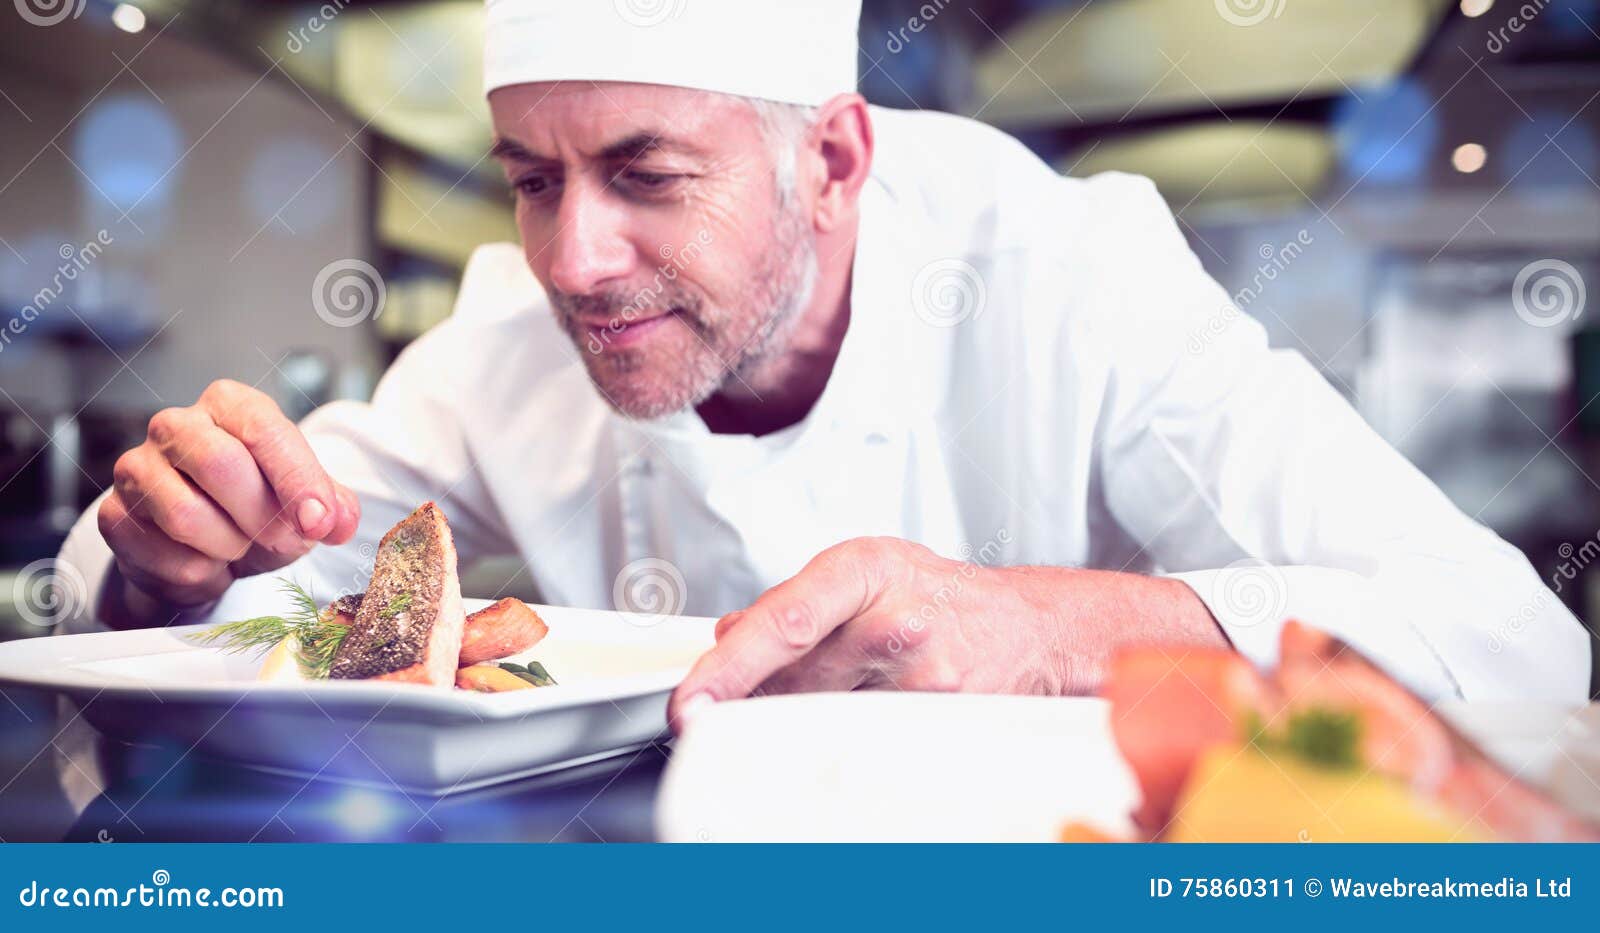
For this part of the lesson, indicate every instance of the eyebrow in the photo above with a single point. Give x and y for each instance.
(510, 149)
(633, 147)
(624, 150)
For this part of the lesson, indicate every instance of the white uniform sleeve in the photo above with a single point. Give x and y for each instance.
(403, 448)
(1242, 472)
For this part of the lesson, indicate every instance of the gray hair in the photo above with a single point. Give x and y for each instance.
(783, 126)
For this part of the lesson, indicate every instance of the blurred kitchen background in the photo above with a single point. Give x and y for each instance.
(1406, 191)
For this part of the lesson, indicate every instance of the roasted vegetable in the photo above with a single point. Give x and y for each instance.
(487, 678)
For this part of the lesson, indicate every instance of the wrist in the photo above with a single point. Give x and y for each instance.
(1067, 606)
(123, 605)
(1088, 615)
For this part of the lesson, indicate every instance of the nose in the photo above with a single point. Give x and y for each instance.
(590, 247)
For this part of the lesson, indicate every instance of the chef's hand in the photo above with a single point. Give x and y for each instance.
(887, 613)
(223, 489)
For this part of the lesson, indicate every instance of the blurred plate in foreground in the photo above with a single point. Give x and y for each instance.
(895, 767)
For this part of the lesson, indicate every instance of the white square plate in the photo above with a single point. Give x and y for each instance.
(613, 678)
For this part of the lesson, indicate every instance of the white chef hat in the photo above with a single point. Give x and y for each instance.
(790, 51)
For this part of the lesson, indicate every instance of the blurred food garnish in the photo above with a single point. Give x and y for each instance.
(1326, 748)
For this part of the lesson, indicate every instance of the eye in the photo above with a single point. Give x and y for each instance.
(533, 186)
(649, 181)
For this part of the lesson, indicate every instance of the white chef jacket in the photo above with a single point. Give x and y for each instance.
(1037, 371)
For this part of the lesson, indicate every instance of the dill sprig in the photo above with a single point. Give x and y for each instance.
(1331, 738)
(1328, 738)
(399, 603)
(316, 639)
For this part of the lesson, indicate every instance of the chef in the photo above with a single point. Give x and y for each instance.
(899, 404)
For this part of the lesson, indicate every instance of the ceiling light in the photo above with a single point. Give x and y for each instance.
(1469, 157)
(128, 17)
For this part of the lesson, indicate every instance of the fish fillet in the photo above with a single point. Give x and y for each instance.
(409, 624)
(493, 632)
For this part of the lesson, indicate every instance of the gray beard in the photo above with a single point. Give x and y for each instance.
(782, 288)
(792, 286)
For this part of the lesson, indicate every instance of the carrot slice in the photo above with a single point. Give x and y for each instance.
(499, 631)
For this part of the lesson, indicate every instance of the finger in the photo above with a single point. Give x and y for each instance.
(303, 488)
(159, 495)
(727, 622)
(156, 564)
(262, 560)
(220, 466)
(837, 663)
(782, 625)
(349, 516)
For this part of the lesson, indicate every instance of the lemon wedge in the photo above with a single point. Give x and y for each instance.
(281, 665)
(1236, 795)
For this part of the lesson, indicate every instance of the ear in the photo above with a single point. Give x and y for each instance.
(841, 139)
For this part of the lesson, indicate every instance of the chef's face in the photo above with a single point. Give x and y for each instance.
(673, 254)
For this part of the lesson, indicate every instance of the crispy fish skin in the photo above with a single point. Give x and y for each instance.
(499, 631)
(409, 624)
(344, 608)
